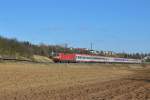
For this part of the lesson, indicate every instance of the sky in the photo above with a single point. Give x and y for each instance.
(113, 25)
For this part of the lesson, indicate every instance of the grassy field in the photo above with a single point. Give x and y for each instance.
(27, 81)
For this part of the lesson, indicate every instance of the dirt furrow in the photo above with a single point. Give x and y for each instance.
(141, 93)
(115, 91)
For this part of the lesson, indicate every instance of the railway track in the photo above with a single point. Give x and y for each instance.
(31, 61)
(21, 60)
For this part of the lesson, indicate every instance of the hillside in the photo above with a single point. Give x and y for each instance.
(12, 48)
(43, 59)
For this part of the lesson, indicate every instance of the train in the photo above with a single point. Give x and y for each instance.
(87, 58)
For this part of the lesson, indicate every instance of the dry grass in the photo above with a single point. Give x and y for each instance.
(41, 58)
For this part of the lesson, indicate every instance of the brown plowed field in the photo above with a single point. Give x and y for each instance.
(21, 81)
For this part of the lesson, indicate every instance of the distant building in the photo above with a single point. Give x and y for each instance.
(110, 53)
(81, 48)
(95, 52)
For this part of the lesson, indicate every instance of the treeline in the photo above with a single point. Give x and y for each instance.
(15, 48)
(133, 55)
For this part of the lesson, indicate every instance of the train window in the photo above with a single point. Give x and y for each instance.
(78, 57)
